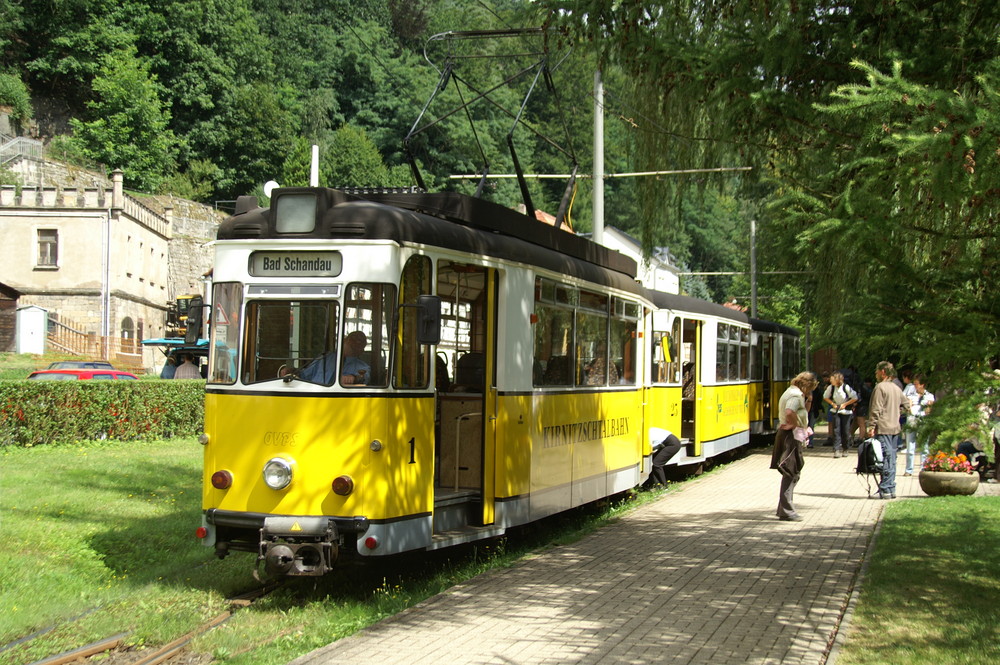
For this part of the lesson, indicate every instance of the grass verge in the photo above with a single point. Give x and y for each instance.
(930, 593)
(97, 539)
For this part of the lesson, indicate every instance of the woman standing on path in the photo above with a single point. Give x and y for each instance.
(787, 456)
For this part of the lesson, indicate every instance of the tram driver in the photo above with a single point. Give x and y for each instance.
(354, 371)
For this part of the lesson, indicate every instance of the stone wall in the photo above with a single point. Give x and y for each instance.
(41, 173)
(194, 226)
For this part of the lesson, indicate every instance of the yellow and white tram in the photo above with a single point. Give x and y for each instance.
(774, 361)
(403, 371)
(701, 354)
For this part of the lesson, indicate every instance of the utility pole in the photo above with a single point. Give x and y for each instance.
(598, 159)
(753, 267)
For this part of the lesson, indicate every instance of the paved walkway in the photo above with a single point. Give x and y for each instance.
(706, 575)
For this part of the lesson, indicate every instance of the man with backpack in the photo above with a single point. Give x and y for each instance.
(886, 405)
(841, 397)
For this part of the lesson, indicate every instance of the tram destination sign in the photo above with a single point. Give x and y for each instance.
(296, 264)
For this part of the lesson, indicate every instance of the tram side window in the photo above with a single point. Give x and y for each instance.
(412, 364)
(734, 353)
(594, 368)
(553, 334)
(227, 299)
(666, 355)
(624, 342)
(368, 310)
(755, 358)
(660, 357)
(722, 352)
(291, 336)
(553, 346)
(744, 354)
(675, 364)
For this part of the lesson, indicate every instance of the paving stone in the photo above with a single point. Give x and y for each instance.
(706, 575)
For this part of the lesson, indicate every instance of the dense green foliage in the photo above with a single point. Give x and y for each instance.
(14, 94)
(128, 124)
(40, 412)
(871, 130)
(209, 99)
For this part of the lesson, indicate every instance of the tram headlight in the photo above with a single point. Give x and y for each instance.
(278, 473)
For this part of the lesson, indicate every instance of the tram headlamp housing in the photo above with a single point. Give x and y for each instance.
(278, 473)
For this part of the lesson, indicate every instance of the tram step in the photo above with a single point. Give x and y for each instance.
(449, 497)
(455, 509)
(466, 534)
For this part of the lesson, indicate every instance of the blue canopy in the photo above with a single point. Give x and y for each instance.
(172, 342)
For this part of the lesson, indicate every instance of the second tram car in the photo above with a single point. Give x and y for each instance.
(774, 360)
(403, 371)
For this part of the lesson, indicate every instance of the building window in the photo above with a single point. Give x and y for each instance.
(48, 248)
(129, 344)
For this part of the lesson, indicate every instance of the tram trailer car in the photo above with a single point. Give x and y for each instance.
(699, 375)
(406, 371)
(774, 362)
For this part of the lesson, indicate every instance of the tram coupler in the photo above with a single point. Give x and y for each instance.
(298, 546)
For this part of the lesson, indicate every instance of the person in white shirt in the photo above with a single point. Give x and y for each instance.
(841, 398)
(187, 369)
(920, 403)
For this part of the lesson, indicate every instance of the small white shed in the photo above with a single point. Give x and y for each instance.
(32, 325)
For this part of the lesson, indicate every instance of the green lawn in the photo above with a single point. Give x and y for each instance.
(107, 526)
(931, 594)
(98, 539)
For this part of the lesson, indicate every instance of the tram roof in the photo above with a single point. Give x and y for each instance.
(681, 303)
(446, 219)
(770, 326)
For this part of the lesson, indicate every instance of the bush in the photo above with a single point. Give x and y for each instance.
(14, 93)
(39, 412)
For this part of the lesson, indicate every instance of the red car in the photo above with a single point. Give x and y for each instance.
(75, 374)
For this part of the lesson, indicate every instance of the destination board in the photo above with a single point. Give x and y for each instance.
(296, 264)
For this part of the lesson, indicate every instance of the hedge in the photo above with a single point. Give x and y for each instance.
(40, 412)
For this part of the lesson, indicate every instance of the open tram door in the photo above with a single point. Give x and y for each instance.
(464, 484)
(766, 372)
(691, 384)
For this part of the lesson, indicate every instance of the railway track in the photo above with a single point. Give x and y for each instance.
(166, 652)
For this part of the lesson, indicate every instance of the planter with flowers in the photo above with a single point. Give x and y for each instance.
(944, 474)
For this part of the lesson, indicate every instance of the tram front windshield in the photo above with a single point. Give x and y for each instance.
(314, 341)
(289, 336)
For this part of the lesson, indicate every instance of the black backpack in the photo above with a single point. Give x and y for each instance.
(868, 461)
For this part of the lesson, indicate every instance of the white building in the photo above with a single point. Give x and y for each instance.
(104, 264)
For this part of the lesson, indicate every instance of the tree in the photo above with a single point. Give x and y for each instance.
(350, 159)
(63, 44)
(912, 206)
(127, 125)
(11, 23)
(14, 95)
(870, 128)
(249, 137)
(738, 83)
